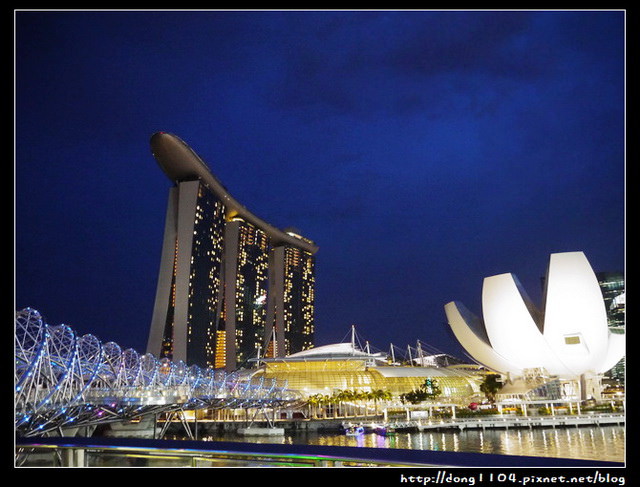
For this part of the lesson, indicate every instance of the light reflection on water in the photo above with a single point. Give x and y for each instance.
(588, 443)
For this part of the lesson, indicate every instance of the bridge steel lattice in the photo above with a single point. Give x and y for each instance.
(63, 380)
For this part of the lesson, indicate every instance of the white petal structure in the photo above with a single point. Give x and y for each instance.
(569, 337)
(469, 330)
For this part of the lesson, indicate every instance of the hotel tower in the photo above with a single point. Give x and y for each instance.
(231, 287)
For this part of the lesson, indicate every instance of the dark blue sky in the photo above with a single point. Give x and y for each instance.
(422, 151)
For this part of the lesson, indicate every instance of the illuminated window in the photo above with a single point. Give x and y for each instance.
(572, 340)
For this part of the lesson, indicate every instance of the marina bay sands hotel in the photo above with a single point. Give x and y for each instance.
(231, 286)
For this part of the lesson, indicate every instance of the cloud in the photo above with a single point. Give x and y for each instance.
(406, 65)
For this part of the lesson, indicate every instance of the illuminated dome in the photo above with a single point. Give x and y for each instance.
(567, 338)
(344, 350)
(343, 366)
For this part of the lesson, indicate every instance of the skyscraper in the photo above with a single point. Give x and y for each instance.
(230, 285)
(613, 292)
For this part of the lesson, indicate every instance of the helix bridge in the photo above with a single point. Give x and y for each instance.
(63, 380)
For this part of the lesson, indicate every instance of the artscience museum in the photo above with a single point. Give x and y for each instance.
(567, 342)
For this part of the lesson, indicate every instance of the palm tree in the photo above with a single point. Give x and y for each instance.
(431, 388)
(340, 397)
(380, 395)
(327, 400)
(490, 386)
(428, 390)
(362, 396)
(350, 397)
(314, 401)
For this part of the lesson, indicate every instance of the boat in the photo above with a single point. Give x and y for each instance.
(354, 430)
(384, 430)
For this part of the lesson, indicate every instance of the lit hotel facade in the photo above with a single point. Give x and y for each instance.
(231, 286)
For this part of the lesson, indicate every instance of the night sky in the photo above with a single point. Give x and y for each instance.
(421, 150)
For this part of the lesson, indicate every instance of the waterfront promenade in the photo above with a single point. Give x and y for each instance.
(509, 421)
(194, 428)
(140, 452)
(132, 445)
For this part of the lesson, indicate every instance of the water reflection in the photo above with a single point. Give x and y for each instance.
(597, 443)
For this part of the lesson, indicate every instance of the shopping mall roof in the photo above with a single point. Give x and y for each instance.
(336, 351)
